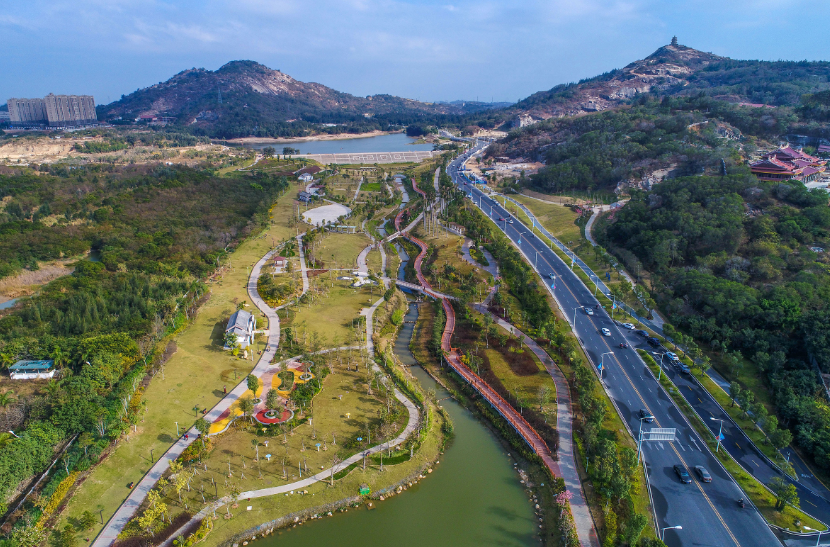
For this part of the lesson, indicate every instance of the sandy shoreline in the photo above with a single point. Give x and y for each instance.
(336, 137)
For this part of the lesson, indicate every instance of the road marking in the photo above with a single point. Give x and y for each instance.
(701, 402)
(736, 444)
(694, 442)
(756, 463)
(811, 503)
(700, 488)
(681, 446)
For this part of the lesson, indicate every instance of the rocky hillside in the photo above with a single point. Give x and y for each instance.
(675, 70)
(246, 98)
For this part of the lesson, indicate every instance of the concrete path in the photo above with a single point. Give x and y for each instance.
(128, 508)
(492, 269)
(564, 421)
(357, 192)
(326, 474)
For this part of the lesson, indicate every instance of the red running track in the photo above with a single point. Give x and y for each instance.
(454, 359)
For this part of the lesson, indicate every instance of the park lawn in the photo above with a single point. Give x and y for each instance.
(331, 426)
(269, 508)
(371, 187)
(341, 250)
(526, 386)
(374, 261)
(449, 252)
(331, 316)
(197, 373)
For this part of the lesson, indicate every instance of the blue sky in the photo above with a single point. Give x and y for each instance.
(421, 49)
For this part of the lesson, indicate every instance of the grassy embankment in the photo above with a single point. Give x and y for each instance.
(193, 377)
(763, 499)
(612, 423)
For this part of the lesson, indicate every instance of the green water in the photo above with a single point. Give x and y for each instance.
(472, 498)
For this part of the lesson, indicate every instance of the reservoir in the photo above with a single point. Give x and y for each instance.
(396, 142)
(472, 498)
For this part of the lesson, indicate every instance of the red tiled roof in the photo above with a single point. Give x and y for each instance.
(810, 170)
(310, 170)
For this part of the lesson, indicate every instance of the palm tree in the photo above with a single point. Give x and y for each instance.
(59, 357)
(6, 398)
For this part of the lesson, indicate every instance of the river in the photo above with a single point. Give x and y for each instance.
(394, 142)
(472, 498)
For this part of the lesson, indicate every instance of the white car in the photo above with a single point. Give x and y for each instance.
(671, 355)
(510, 221)
(589, 311)
(605, 332)
(629, 326)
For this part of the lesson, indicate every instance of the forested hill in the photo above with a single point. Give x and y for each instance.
(245, 98)
(679, 70)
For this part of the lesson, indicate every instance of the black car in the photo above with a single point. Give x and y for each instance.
(654, 342)
(682, 474)
(642, 333)
(646, 416)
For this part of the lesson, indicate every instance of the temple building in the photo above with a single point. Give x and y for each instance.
(788, 164)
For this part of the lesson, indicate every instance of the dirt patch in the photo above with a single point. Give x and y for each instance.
(24, 283)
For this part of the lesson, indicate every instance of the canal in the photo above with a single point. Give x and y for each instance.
(472, 498)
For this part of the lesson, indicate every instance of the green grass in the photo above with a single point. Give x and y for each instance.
(525, 386)
(760, 496)
(371, 187)
(341, 250)
(270, 508)
(331, 316)
(557, 219)
(195, 375)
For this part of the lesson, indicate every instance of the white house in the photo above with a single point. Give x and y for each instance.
(306, 177)
(242, 324)
(32, 370)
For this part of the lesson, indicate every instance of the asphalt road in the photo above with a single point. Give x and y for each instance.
(708, 513)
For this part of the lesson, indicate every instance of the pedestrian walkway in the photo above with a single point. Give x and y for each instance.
(128, 508)
(587, 537)
(564, 425)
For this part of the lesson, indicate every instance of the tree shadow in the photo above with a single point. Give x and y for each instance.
(165, 438)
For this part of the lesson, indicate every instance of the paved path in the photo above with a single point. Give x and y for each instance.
(326, 474)
(359, 184)
(564, 421)
(492, 269)
(128, 508)
(453, 358)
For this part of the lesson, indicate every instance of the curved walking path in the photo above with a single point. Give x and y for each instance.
(579, 509)
(129, 507)
(564, 425)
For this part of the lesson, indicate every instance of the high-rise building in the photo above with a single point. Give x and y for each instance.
(53, 111)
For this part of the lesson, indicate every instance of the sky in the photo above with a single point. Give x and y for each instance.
(420, 49)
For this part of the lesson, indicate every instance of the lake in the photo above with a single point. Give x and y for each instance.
(396, 142)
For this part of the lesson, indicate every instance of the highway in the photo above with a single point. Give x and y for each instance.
(708, 513)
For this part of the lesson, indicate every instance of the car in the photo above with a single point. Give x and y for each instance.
(671, 355)
(551, 276)
(646, 416)
(654, 342)
(702, 474)
(684, 368)
(682, 474)
(501, 219)
(642, 333)
(510, 221)
(589, 311)
(605, 332)
(629, 326)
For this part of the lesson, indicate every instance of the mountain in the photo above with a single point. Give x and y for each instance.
(675, 70)
(246, 98)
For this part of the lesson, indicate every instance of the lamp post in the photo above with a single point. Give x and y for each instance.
(663, 531)
(177, 429)
(720, 430)
(601, 367)
(13, 433)
(576, 308)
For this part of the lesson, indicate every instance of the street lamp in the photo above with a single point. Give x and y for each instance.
(720, 430)
(663, 531)
(576, 308)
(601, 368)
(13, 433)
(177, 429)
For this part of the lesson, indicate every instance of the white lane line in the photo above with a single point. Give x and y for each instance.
(694, 442)
(681, 446)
